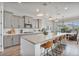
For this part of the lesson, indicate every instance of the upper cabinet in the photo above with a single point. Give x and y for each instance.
(0, 17)
(7, 19)
(11, 20)
(20, 21)
(15, 21)
(1, 47)
(28, 20)
(37, 23)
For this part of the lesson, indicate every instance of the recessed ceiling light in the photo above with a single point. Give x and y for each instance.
(37, 10)
(66, 8)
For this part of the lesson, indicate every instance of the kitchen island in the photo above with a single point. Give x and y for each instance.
(30, 44)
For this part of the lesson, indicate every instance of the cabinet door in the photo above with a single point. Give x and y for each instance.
(35, 23)
(0, 39)
(0, 28)
(7, 20)
(7, 41)
(26, 20)
(40, 23)
(0, 17)
(21, 22)
(0, 42)
(30, 20)
(16, 40)
(15, 21)
(0, 36)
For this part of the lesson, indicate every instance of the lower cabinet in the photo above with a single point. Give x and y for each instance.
(9, 41)
(0, 42)
(16, 40)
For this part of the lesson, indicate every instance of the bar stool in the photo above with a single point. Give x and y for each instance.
(55, 40)
(56, 43)
(46, 46)
(61, 38)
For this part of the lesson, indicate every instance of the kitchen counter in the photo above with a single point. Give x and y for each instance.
(18, 31)
(30, 44)
(39, 38)
(28, 33)
(35, 38)
(13, 39)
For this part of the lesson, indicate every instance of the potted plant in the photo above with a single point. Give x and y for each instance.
(44, 31)
(64, 29)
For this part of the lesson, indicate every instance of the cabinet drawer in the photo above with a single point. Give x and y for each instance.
(7, 41)
(0, 28)
(16, 40)
(0, 39)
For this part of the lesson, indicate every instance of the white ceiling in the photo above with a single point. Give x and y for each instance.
(52, 8)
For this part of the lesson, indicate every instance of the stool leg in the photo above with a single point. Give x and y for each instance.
(47, 52)
(41, 51)
(77, 42)
(44, 52)
(52, 50)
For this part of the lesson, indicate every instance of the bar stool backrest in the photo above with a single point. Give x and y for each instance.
(55, 40)
(48, 44)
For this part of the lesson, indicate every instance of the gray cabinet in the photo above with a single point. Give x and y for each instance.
(20, 22)
(36, 23)
(7, 41)
(7, 19)
(16, 40)
(1, 47)
(0, 42)
(12, 20)
(10, 41)
(15, 21)
(0, 28)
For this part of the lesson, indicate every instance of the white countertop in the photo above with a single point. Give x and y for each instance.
(25, 32)
(39, 38)
(6, 34)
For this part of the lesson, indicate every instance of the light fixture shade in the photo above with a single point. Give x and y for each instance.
(40, 14)
(50, 18)
(66, 8)
(37, 10)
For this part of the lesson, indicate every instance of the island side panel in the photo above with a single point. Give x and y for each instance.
(27, 48)
(37, 50)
